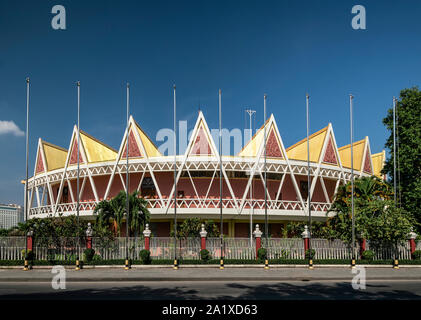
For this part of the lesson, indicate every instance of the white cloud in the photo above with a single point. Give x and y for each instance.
(7, 127)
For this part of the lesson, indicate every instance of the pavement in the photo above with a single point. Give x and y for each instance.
(210, 283)
(211, 274)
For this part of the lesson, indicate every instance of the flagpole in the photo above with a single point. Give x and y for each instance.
(309, 178)
(26, 267)
(266, 190)
(395, 263)
(127, 266)
(78, 174)
(394, 149)
(351, 97)
(221, 228)
(175, 182)
(250, 113)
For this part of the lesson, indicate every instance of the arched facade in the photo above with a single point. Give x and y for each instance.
(103, 174)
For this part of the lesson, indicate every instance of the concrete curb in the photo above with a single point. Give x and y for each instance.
(256, 266)
(209, 279)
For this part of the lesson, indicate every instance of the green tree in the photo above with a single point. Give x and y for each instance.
(374, 213)
(191, 227)
(408, 129)
(114, 210)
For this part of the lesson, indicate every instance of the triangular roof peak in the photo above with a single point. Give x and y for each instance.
(378, 160)
(360, 149)
(201, 142)
(298, 151)
(55, 156)
(149, 146)
(95, 150)
(251, 148)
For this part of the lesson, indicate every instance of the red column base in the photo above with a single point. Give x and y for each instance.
(203, 243)
(147, 239)
(258, 246)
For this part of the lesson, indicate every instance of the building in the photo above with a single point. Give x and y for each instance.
(10, 215)
(103, 174)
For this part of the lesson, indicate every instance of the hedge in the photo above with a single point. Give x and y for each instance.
(210, 262)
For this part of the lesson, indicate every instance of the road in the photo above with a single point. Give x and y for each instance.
(192, 290)
(164, 283)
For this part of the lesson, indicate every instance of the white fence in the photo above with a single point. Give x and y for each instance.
(284, 248)
(163, 248)
(11, 248)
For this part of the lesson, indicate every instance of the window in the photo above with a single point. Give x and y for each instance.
(304, 189)
(147, 187)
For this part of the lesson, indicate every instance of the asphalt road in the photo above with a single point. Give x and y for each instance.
(192, 290)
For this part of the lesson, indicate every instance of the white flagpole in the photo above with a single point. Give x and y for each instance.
(250, 112)
(266, 188)
(351, 97)
(127, 265)
(175, 182)
(221, 228)
(394, 149)
(309, 178)
(78, 173)
(26, 267)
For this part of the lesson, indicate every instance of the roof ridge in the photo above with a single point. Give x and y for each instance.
(98, 141)
(315, 134)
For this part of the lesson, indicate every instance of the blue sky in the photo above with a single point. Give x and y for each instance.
(246, 48)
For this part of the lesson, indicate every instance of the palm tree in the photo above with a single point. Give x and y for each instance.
(366, 189)
(115, 210)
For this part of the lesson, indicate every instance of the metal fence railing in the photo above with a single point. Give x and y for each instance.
(11, 248)
(68, 248)
(388, 251)
(287, 248)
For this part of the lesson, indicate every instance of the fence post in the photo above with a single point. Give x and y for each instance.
(89, 233)
(411, 238)
(363, 244)
(258, 235)
(203, 235)
(30, 240)
(306, 237)
(147, 235)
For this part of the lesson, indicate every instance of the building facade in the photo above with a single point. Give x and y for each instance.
(103, 174)
(10, 215)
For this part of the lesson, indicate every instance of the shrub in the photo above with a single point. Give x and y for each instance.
(416, 255)
(145, 256)
(205, 255)
(29, 255)
(88, 254)
(310, 253)
(96, 257)
(368, 255)
(261, 254)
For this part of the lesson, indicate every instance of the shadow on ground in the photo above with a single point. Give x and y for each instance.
(267, 291)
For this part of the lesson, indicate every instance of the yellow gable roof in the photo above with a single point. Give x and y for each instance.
(378, 160)
(150, 148)
(252, 147)
(358, 150)
(298, 151)
(55, 156)
(96, 151)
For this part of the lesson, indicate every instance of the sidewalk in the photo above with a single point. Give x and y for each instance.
(209, 274)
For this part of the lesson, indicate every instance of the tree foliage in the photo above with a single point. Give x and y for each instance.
(191, 227)
(376, 216)
(408, 129)
(112, 212)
